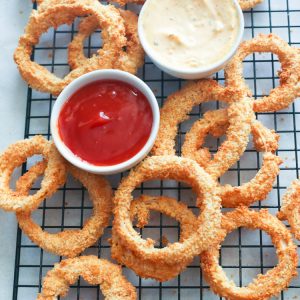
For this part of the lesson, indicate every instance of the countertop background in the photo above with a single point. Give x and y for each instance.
(13, 17)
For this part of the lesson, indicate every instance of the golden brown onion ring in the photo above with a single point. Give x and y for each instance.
(14, 156)
(290, 209)
(173, 168)
(95, 271)
(264, 139)
(68, 243)
(131, 58)
(180, 104)
(288, 90)
(265, 285)
(140, 208)
(39, 77)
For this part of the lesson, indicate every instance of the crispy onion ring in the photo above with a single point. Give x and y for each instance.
(290, 209)
(95, 271)
(176, 168)
(130, 60)
(247, 4)
(265, 140)
(140, 208)
(288, 90)
(68, 243)
(265, 285)
(180, 103)
(39, 77)
(14, 156)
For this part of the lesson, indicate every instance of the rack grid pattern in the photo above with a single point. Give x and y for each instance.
(244, 254)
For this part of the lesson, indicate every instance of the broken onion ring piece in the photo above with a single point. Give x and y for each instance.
(113, 285)
(290, 209)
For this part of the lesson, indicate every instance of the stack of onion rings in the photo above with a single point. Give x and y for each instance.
(131, 58)
(109, 20)
(68, 243)
(179, 104)
(265, 285)
(290, 209)
(95, 271)
(17, 154)
(265, 140)
(179, 253)
(141, 208)
(288, 90)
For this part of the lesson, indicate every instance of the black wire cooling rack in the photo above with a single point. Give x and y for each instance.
(244, 254)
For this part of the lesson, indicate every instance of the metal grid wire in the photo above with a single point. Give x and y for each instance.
(244, 254)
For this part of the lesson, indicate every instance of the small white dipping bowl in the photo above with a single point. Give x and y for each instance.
(190, 73)
(87, 79)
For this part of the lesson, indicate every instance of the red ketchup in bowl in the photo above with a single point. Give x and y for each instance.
(106, 122)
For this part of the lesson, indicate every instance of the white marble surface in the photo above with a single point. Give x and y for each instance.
(13, 16)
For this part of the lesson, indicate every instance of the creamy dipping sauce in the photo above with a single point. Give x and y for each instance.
(190, 34)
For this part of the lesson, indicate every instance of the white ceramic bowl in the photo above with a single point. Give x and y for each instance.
(84, 80)
(195, 73)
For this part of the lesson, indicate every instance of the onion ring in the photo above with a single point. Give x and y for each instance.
(288, 90)
(264, 286)
(68, 243)
(180, 103)
(39, 77)
(265, 140)
(14, 156)
(140, 208)
(290, 209)
(247, 4)
(176, 168)
(130, 60)
(113, 284)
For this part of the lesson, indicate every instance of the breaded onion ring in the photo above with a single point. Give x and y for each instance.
(95, 271)
(68, 243)
(131, 58)
(140, 208)
(264, 139)
(175, 168)
(288, 90)
(247, 4)
(180, 103)
(14, 156)
(108, 19)
(265, 285)
(290, 209)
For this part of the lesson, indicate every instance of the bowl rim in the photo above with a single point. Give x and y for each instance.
(191, 71)
(85, 80)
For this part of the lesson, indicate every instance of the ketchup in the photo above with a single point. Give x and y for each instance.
(106, 122)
